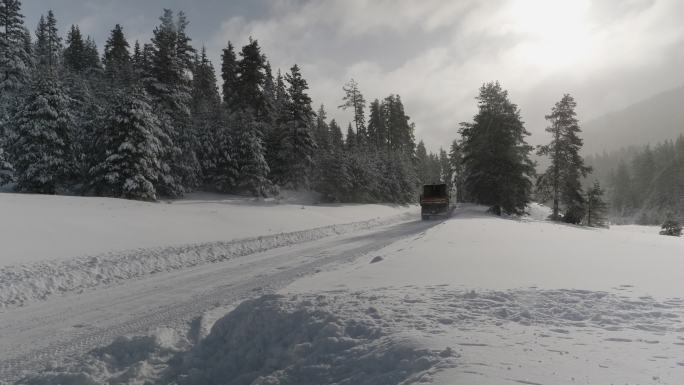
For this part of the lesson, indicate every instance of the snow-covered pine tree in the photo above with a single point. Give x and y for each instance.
(321, 134)
(229, 74)
(15, 59)
(456, 165)
(332, 177)
(169, 84)
(48, 47)
(272, 140)
(270, 103)
(244, 101)
(281, 96)
(423, 164)
(406, 177)
(496, 156)
(82, 83)
(129, 162)
(86, 111)
(117, 58)
(434, 168)
(596, 209)
(322, 131)
(353, 99)
(137, 61)
(44, 158)
(397, 178)
(296, 146)
(252, 168)
(250, 83)
(91, 55)
(15, 66)
(225, 173)
(351, 145)
(445, 168)
(213, 135)
(400, 129)
(336, 138)
(562, 178)
(75, 52)
(376, 126)
(364, 170)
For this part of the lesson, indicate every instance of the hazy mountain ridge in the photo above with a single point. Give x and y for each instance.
(653, 120)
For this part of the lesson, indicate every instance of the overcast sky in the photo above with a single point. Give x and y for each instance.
(435, 54)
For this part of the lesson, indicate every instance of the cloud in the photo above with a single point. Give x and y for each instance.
(434, 53)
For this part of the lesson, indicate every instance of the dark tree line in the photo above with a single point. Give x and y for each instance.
(147, 120)
(645, 184)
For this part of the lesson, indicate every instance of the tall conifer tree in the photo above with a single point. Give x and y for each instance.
(44, 158)
(353, 99)
(495, 154)
(117, 58)
(169, 84)
(130, 140)
(562, 178)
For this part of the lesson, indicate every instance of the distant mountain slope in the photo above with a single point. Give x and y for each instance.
(656, 119)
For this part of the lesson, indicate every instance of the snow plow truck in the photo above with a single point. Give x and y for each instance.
(435, 201)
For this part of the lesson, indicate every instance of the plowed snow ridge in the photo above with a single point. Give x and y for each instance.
(23, 283)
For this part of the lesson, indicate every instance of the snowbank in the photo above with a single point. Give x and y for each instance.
(538, 211)
(42, 227)
(271, 340)
(34, 281)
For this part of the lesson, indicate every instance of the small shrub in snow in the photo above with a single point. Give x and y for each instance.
(672, 228)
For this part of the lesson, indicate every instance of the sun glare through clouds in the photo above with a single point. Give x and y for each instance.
(555, 33)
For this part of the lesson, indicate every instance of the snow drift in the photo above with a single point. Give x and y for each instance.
(35, 281)
(271, 340)
(45, 227)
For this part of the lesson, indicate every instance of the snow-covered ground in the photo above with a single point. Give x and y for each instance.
(474, 299)
(531, 302)
(477, 251)
(39, 227)
(55, 244)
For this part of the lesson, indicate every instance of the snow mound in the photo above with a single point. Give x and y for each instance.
(538, 211)
(271, 340)
(127, 360)
(20, 284)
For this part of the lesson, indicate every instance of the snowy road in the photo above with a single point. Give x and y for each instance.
(64, 327)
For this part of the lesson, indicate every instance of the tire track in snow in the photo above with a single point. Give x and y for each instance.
(39, 333)
(21, 284)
